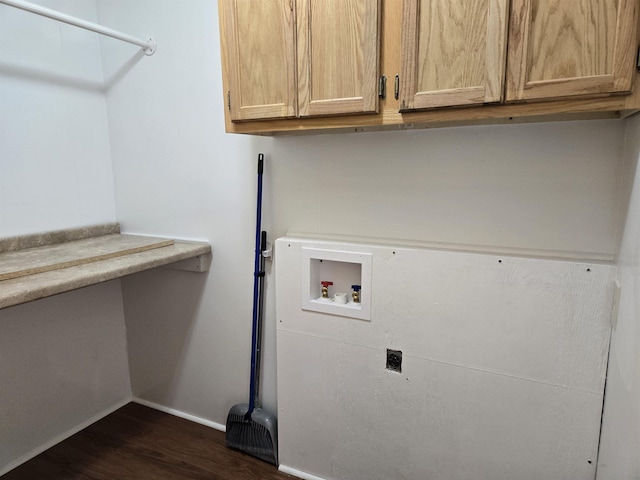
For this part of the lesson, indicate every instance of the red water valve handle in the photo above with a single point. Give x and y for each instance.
(326, 284)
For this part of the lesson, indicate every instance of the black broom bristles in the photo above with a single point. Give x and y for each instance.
(250, 437)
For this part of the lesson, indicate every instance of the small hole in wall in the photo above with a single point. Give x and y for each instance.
(589, 462)
(393, 252)
(499, 261)
(588, 269)
(394, 360)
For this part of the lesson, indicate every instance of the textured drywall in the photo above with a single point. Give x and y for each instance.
(503, 371)
(621, 419)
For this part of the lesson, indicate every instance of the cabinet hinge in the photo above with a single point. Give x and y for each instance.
(382, 86)
(638, 60)
(229, 99)
(396, 88)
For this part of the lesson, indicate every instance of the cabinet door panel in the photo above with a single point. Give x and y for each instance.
(338, 47)
(453, 52)
(559, 48)
(260, 39)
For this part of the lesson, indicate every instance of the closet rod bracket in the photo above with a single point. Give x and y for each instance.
(150, 49)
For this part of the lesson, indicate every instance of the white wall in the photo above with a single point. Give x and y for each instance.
(178, 174)
(621, 422)
(503, 364)
(63, 364)
(62, 360)
(55, 165)
(548, 187)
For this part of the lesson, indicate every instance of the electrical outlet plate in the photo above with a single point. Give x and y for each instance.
(343, 268)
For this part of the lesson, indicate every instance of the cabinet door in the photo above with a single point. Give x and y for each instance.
(260, 47)
(560, 48)
(338, 45)
(453, 52)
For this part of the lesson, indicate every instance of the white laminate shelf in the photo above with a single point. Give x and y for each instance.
(41, 265)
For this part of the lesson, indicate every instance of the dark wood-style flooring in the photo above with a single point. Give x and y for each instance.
(137, 442)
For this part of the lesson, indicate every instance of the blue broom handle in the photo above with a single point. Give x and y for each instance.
(256, 275)
(263, 247)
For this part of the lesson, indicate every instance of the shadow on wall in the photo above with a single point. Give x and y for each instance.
(68, 81)
(124, 69)
(43, 76)
(160, 308)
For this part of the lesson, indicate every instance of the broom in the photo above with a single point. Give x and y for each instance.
(249, 428)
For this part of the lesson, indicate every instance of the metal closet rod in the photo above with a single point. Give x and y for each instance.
(148, 46)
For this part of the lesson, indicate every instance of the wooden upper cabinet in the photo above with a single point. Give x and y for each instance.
(260, 58)
(453, 52)
(300, 58)
(561, 48)
(308, 66)
(338, 60)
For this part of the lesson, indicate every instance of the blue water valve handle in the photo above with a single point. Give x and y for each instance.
(356, 293)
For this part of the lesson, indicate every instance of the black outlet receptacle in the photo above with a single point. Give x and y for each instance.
(394, 360)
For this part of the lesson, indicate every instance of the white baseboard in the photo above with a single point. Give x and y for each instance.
(178, 413)
(298, 473)
(63, 436)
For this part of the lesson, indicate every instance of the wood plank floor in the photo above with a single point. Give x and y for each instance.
(137, 442)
